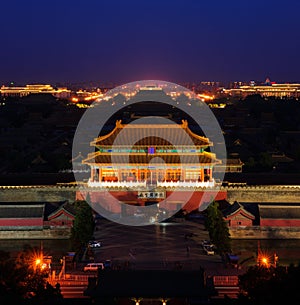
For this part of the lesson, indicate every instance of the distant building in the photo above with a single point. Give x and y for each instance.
(229, 166)
(78, 166)
(35, 89)
(267, 90)
(266, 215)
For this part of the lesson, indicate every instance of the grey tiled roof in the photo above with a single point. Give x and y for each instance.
(63, 206)
(21, 210)
(233, 208)
(280, 211)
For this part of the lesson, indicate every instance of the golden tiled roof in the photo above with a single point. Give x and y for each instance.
(148, 134)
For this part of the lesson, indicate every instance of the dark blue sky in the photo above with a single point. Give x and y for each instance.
(121, 41)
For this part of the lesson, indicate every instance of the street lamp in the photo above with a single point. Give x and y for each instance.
(265, 261)
(137, 301)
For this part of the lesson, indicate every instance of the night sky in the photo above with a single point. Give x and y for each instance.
(121, 41)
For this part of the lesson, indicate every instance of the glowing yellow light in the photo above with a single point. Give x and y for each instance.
(43, 266)
(264, 260)
(37, 261)
(136, 301)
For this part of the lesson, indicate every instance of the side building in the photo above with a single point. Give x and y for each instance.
(268, 220)
(36, 220)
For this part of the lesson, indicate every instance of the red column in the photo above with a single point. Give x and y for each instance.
(100, 174)
(202, 174)
(119, 174)
(92, 174)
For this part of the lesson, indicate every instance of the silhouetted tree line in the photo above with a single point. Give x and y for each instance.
(268, 286)
(23, 282)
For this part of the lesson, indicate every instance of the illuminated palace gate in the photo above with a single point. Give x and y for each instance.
(147, 156)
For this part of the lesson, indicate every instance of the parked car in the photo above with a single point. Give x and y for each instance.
(94, 244)
(209, 250)
(93, 267)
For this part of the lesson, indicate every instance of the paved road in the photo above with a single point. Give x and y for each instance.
(160, 246)
(175, 245)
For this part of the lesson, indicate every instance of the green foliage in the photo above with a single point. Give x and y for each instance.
(250, 165)
(265, 161)
(83, 226)
(217, 228)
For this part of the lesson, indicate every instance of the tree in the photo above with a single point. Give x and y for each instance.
(83, 227)
(265, 161)
(217, 228)
(272, 285)
(22, 279)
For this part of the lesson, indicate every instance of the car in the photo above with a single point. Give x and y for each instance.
(93, 267)
(94, 244)
(107, 263)
(209, 250)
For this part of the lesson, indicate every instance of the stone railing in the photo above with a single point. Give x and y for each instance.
(117, 184)
(183, 184)
(166, 184)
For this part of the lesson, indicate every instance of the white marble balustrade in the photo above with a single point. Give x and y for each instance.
(133, 184)
(117, 184)
(186, 184)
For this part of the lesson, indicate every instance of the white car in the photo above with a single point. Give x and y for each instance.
(94, 244)
(93, 267)
(209, 250)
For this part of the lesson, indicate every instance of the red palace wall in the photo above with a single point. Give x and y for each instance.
(59, 223)
(193, 199)
(237, 222)
(21, 222)
(280, 222)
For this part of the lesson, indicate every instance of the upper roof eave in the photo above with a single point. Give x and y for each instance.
(97, 141)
